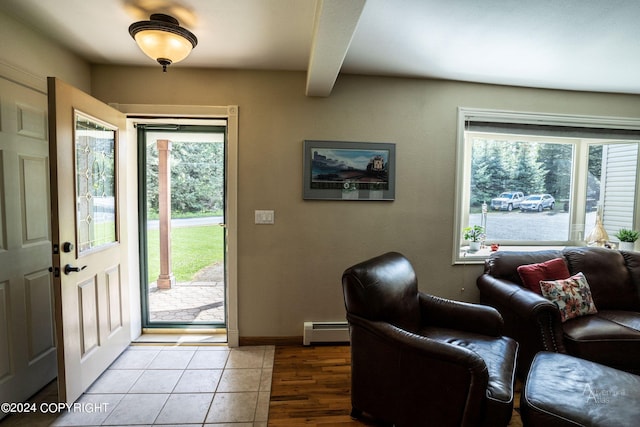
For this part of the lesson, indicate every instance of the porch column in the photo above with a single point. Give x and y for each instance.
(166, 277)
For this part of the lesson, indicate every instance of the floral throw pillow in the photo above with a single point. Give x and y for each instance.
(572, 296)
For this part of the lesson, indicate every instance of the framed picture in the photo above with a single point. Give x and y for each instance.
(335, 170)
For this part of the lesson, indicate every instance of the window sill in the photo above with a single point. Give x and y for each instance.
(478, 257)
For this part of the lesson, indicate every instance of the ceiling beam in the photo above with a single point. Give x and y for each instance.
(335, 24)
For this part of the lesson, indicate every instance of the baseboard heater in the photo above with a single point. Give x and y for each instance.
(325, 332)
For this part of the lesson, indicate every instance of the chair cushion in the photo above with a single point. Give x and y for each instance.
(533, 274)
(498, 353)
(572, 296)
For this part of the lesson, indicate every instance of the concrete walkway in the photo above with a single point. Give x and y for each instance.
(188, 302)
(201, 300)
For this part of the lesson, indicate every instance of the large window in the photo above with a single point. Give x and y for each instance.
(538, 181)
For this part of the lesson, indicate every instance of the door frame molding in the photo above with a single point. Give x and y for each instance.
(230, 113)
(23, 77)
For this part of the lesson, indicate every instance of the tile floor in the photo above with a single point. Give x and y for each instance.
(180, 385)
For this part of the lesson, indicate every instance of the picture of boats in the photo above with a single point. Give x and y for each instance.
(339, 168)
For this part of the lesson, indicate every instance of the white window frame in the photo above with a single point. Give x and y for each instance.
(577, 210)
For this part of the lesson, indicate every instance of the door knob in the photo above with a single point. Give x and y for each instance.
(70, 269)
(55, 271)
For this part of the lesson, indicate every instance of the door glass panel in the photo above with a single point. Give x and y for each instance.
(95, 183)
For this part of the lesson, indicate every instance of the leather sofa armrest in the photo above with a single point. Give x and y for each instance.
(529, 318)
(481, 319)
(510, 297)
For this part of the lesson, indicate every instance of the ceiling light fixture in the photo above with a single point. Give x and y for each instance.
(163, 39)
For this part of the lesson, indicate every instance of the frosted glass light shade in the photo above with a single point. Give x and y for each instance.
(163, 39)
(160, 44)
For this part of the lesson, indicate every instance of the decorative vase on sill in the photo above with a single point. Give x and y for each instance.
(474, 246)
(598, 236)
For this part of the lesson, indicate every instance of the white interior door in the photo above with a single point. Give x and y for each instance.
(27, 340)
(88, 220)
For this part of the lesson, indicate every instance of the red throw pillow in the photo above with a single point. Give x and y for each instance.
(532, 274)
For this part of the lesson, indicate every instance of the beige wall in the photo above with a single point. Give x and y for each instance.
(34, 57)
(290, 272)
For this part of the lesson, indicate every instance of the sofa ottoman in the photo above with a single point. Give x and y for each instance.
(563, 390)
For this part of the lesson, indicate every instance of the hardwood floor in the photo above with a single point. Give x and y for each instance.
(311, 386)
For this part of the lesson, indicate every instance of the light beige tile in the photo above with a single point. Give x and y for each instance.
(185, 408)
(265, 379)
(269, 356)
(169, 359)
(209, 360)
(213, 348)
(231, 425)
(157, 381)
(241, 400)
(93, 409)
(232, 408)
(177, 347)
(134, 359)
(262, 407)
(246, 357)
(146, 347)
(168, 425)
(115, 381)
(198, 381)
(234, 380)
(137, 409)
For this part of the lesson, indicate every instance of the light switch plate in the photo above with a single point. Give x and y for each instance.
(265, 217)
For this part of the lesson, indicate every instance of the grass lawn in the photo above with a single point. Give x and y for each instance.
(192, 248)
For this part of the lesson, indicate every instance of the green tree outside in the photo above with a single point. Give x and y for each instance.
(530, 167)
(197, 179)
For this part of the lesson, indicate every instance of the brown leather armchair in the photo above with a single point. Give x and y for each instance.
(418, 359)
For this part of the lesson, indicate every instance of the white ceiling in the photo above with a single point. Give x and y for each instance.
(591, 45)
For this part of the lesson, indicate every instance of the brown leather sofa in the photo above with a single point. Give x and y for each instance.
(417, 359)
(610, 337)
